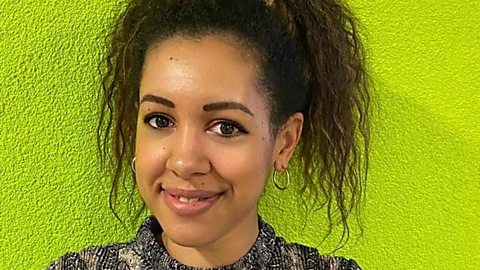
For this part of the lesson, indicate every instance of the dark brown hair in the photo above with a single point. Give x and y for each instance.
(311, 61)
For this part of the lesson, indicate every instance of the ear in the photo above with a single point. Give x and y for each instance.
(286, 140)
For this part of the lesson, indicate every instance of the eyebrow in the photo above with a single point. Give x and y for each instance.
(219, 106)
(157, 99)
(216, 106)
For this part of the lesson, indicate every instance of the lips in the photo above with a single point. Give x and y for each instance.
(190, 194)
(190, 202)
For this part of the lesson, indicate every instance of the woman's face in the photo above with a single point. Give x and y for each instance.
(203, 146)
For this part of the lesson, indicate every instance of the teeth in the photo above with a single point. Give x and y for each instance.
(186, 200)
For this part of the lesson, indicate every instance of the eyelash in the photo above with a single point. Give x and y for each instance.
(238, 129)
(152, 116)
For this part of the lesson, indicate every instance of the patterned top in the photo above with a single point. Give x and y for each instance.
(143, 252)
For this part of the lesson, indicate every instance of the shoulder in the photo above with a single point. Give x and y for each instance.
(338, 263)
(120, 256)
(95, 257)
(298, 256)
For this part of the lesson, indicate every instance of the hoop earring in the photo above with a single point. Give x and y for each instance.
(279, 187)
(132, 165)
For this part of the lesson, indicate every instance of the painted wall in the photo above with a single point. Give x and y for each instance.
(423, 208)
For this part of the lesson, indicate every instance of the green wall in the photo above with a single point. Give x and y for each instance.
(423, 206)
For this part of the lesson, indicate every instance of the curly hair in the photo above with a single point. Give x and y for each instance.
(311, 61)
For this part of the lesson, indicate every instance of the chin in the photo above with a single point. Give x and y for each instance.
(192, 236)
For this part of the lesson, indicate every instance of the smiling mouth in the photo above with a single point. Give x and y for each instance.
(194, 195)
(190, 202)
(190, 199)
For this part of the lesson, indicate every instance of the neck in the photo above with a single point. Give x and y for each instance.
(224, 251)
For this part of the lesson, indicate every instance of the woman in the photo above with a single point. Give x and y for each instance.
(205, 99)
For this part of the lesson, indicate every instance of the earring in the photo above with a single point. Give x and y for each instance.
(132, 165)
(279, 187)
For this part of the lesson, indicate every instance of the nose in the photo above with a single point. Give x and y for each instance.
(187, 157)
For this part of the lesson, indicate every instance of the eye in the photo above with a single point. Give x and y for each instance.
(228, 128)
(158, 121)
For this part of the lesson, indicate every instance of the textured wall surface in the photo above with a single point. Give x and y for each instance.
(423, 207)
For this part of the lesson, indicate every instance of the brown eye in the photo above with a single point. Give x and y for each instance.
(228, 129)
(158, 121)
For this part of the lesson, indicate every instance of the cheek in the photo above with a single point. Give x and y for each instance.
(151, 157)
(246, 167)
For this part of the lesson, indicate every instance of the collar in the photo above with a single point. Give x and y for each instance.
(155, 256)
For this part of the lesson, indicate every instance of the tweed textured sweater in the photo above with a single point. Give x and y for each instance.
(143, 252)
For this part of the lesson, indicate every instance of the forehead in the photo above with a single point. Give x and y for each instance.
(208, 67)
